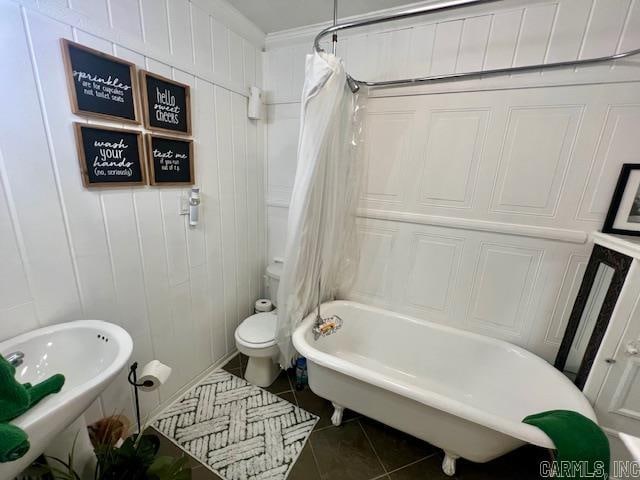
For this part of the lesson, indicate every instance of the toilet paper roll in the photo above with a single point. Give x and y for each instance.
(263, 305)
(153, 375)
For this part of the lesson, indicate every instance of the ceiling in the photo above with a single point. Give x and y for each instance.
(275, 15)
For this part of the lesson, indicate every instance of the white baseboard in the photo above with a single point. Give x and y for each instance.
(159, 409)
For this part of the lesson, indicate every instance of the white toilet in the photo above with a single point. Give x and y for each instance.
(256, 337)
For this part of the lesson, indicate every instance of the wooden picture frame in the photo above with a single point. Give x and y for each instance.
(151, 162)
(82, 157)
(626, 191)
(144, 94)
(76, 106)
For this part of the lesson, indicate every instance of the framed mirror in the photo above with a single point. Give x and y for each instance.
(601, 285)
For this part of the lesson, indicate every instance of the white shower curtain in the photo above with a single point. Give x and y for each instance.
(321, 237)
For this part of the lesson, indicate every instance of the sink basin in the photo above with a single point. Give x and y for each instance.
(89, 353)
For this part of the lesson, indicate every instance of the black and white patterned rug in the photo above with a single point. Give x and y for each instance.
(238, 430)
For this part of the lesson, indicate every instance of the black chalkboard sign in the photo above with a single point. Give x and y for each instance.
(99, 84)
(110, 157)
(166, 104)
(170, 160)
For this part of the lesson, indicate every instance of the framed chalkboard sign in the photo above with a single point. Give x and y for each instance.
(100, 85)
(110, 157)
(166, 104)
(170, 160)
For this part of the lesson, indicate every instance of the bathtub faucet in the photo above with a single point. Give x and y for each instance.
(324, 326)
(316, 325)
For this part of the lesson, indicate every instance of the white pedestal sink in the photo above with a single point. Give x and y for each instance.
(89, 353)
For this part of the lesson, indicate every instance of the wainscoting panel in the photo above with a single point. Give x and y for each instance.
(455, 144)
(499, 156)
(283, 127)
(503, 279)
(535, 157)
(617, 144)
(387, 139)
(499, 285)
(374, 279)
(14, 286)
(434, 270)
(571, 281)
(627, 397)
(276, 231)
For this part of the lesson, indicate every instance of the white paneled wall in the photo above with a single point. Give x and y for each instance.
(480, 194)
(126, 255)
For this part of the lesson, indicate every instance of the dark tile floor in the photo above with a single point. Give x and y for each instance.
(363, 449)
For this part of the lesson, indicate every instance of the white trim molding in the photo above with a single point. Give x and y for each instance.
(516, 229)
(307, 33)
(151, 417)
(232, 18)
(547, 233)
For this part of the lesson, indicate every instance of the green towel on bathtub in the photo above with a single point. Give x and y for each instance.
(577, 439)
(16, 399)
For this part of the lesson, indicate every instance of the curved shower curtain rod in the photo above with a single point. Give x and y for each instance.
(354, 84)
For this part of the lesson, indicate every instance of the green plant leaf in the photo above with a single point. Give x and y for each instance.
(145, 447)
(130, 461)
(37, 471)
(65, 473)
(134, 460)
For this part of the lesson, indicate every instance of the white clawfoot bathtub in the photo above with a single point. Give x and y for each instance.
(462, 392)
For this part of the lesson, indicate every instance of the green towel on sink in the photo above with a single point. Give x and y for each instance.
(577, 439)
(16, 399)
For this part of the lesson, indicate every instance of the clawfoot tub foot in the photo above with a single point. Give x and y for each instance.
(449, 464)
(336, 418)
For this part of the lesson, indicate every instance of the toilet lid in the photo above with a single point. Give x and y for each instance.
(259, 328)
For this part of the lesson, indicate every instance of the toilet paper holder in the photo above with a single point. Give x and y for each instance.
(133, 380)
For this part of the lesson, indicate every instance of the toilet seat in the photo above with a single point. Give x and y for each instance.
(258, 331)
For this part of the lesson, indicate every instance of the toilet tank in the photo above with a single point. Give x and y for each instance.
(273, 279)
